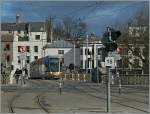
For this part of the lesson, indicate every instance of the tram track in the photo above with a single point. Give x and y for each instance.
(38, 100)
(81, 90)
(11, 102)
(121, 96)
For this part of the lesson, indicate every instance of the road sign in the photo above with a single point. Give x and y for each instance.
(109, 61)
(22, 49)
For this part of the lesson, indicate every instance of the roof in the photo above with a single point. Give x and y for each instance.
(12, 26)
(34, 26)
(37, 26)
(59, 44)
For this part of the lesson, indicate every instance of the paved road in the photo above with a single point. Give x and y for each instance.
(43, 96)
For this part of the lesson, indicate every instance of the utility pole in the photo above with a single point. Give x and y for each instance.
(74, 55)
(49, 29)
(97, 72)
(87, 55)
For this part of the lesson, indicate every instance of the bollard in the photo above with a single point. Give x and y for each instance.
(135, 80)
(119, 85)
(78, 77)
(119, 79)
(72, 76)
(60, 86)
(65, 76)
(112, 79)
(84, 78)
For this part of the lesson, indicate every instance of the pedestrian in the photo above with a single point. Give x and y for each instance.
(17, 75)
(26, 73)
(20, 73)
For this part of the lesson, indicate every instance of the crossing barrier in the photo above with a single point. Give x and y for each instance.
(77, 77)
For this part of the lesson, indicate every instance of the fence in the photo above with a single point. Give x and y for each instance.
(5, 78)
(131, 79)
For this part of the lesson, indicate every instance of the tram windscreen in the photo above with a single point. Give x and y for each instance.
(54, 65)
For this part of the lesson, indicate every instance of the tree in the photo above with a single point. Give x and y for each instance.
(58, 31)
(70, 28)
(49, 28)
(81, 30)
(135, 37)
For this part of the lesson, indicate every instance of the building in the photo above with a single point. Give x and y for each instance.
(33, 40)
(65, 50)
(6, 51)
(30, 36)
(91, 54)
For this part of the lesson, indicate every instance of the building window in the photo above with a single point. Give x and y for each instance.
(86, 63)
(89, 52)
(81, 51)
(37, 37)
(8, 58)
(86, 51)
(81, 63)
(24, 49)
(89, 62)
(19, 48)
(99, 51)
(92, 63)
(10, 31)
(92, 51)
(19, 61)
(60, 51)
(35, 48)
(7, 47)
(62, 60)
(12, 67)
(28, 48)
(99, 63)
(19, 32)
(28, 59)
(35, 57)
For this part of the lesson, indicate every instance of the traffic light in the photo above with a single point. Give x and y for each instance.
(115, 35)
(109, 39)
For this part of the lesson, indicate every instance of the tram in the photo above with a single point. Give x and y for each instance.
(49, 67)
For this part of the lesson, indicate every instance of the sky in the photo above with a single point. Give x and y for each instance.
(97, 14)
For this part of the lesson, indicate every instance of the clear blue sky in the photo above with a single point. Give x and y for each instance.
(98, 15)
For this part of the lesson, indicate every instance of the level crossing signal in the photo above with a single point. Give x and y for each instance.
(109, 39)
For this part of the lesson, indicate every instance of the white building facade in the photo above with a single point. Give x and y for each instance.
(65, 50)
(91, 54)
(31, 37)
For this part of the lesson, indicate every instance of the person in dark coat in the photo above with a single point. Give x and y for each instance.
(17, 75)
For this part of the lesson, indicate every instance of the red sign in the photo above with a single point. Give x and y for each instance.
(22, 49)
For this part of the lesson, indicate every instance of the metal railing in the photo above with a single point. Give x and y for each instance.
(130, 79)
(5, 78)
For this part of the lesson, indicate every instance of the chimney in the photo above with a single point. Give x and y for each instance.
(17, 19)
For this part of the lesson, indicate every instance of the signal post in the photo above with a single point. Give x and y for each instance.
(109, 41)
